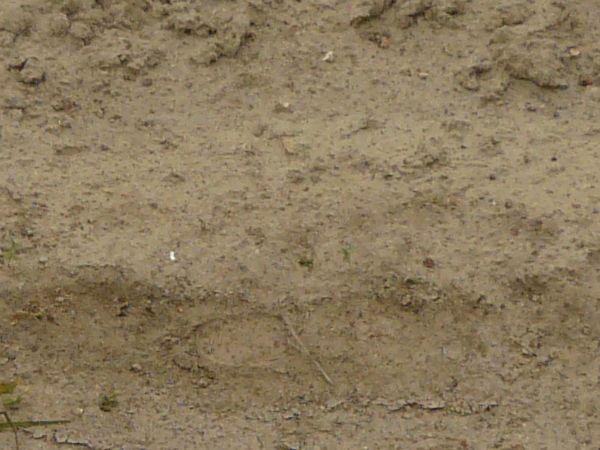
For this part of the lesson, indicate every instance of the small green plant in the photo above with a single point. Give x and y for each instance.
(10, 253)
(108, 402)
(7, 397)
(347, 251)
(11, 402)
(12, 425)
(306, 261)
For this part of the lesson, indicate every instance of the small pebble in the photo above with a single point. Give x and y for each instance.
(59, 24)
(39, 434)
(531, 108)
(202, 382)
(283, 107)
(60, 438)
(137, 368)
(15, 103)
(259, 130)
(43, 260)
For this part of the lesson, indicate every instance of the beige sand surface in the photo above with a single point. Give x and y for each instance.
(411, 187)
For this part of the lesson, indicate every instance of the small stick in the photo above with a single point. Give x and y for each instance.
(286, 150)
(305, 350)
(12, 425)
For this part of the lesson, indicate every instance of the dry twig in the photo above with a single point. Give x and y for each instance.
(305, 350)
(12, 425)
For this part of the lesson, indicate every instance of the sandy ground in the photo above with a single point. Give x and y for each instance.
(383, 218)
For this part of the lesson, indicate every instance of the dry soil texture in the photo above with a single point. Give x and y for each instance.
(404, 192)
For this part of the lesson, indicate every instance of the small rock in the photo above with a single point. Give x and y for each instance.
(66, 149)
(202, 382)
(531, 108)
(433, 404)
(259, 130)
(43, 260)
(15, 103)
(10, 353)
(60, 438)
(58, 24)
(81, 31)
(283, 107)
(185, 362)
(39, 434)
(78, 442)
(174, 178)
(382, 40)
(423, 75)
(293, 414)
(544, 69)
(136, 368)
(289, 446)
(32, 72)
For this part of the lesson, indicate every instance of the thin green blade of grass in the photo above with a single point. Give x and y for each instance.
(9, 254)
(5, 426)
(11, 402)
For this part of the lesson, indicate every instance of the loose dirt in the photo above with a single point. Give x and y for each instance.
(301, 224)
